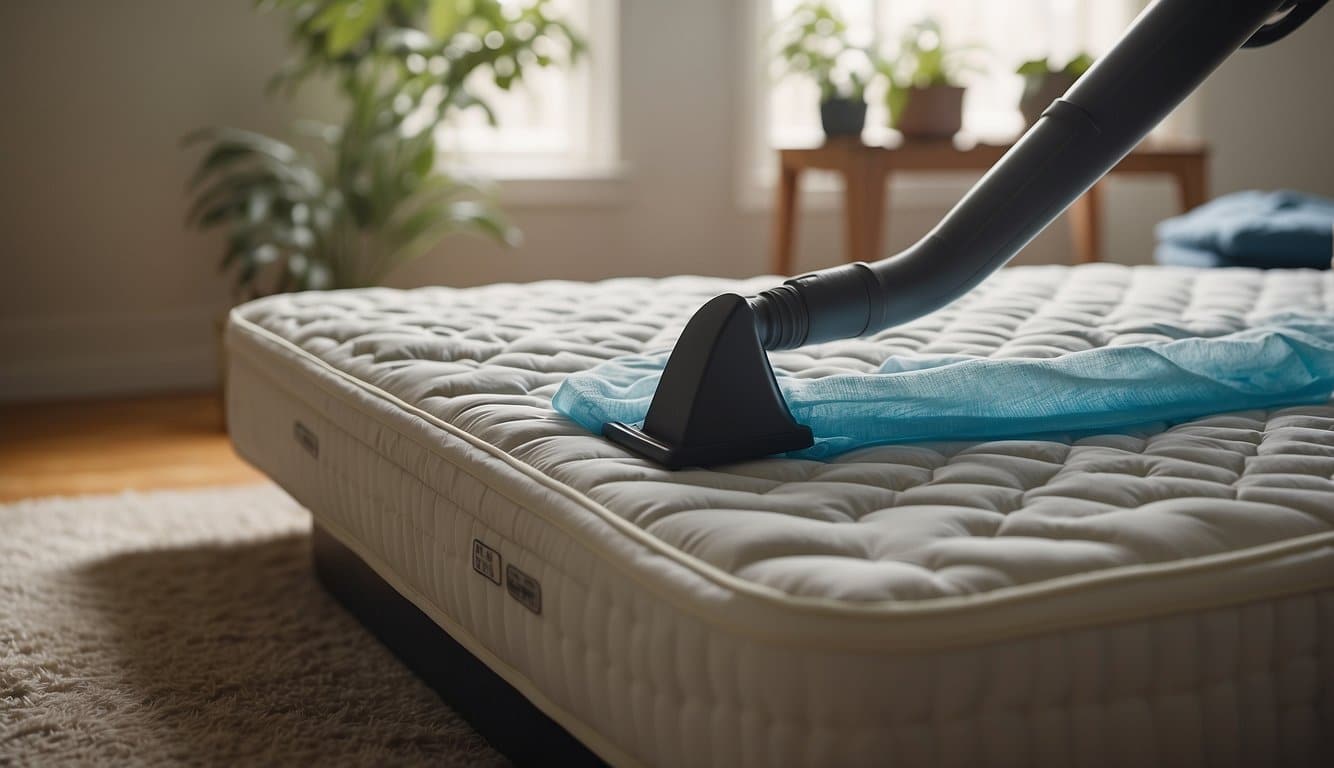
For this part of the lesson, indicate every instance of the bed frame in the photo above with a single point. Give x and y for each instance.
(492, 706)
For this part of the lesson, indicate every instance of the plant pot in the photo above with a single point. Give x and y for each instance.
(935, 112)
(842, 117)
(1040, 92)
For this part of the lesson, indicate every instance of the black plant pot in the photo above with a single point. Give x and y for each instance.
(1041, 91)
(842, 117)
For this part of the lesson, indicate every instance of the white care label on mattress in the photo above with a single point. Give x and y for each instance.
(524, 588)
(486, 561)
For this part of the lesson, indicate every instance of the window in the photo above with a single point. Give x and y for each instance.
(559, 122)
(1006, 32)
(785, 113)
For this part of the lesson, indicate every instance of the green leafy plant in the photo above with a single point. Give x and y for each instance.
(367, 194)
(922, 60)
(1043, 82)
(1041, 68)
(813, 42)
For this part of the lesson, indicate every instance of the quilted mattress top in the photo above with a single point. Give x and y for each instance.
(893, 524)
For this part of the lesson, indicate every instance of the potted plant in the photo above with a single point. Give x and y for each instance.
(843, 110)
(364, 196)
(924, 90)
(1045, 83)
(813, 42)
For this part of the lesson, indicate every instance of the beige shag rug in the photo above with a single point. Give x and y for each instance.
(187, 627)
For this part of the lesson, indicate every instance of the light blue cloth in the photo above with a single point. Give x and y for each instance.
(1282, 229)
(1176, 255)
(1288, 361)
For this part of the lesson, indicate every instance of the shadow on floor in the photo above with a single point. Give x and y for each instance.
(239, 656)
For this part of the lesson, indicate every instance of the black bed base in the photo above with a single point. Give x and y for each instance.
(499, 712)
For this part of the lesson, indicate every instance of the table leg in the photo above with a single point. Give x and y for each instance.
(854, 212)
(876, 195)
(863, 213)
(1086, 226)
(785, 221)
(1193, 183)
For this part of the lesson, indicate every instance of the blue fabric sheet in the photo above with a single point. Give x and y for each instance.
(1175, 255)
(1288, 361)
(1283, 229)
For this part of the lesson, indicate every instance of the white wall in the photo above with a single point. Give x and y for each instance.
(104, 290)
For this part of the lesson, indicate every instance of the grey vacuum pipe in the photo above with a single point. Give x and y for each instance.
(1166, 53)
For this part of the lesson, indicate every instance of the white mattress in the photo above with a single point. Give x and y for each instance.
(1165, 596)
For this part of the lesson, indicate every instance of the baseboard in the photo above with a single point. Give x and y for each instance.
(165, 371)
(98, 354)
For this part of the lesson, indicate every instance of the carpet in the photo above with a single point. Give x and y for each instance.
(187, 627)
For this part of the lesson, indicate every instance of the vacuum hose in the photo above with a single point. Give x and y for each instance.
(1161, 59)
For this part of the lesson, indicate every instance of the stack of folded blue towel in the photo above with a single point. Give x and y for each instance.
(1283, 230)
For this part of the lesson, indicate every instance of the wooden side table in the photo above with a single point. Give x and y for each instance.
(866, 171)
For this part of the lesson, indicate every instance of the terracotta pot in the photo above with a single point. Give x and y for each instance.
(1040, 92)
(842, 117)
(932, 113)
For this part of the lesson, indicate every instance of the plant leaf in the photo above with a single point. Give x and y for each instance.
(355, 20)
(896, 98)
(1078, 65)
(1034, 68)
(443, 18)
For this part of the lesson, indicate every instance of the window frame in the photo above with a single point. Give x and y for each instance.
(757, 166)
(757, 161)
(592, 172)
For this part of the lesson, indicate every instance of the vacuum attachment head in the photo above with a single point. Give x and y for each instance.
(718, 401)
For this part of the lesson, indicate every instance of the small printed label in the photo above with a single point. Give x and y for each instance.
(486, 561)
(524, 588)
(306, 439)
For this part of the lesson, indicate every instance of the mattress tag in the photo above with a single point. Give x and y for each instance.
(524, 588)
(486, 561)
(306, 439)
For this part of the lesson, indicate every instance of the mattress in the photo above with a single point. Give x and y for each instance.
(1163, 595)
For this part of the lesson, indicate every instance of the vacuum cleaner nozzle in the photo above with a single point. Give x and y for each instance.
(718, 400)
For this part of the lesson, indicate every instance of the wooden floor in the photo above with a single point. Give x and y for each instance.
(69, 448)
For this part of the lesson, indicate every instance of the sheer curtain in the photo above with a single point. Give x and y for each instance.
(1005, 34)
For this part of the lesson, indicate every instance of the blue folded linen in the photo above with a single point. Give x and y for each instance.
(1287, 361)
(1175, 255)
(1283, 229)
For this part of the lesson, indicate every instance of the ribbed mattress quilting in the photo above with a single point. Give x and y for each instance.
(874, 617)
